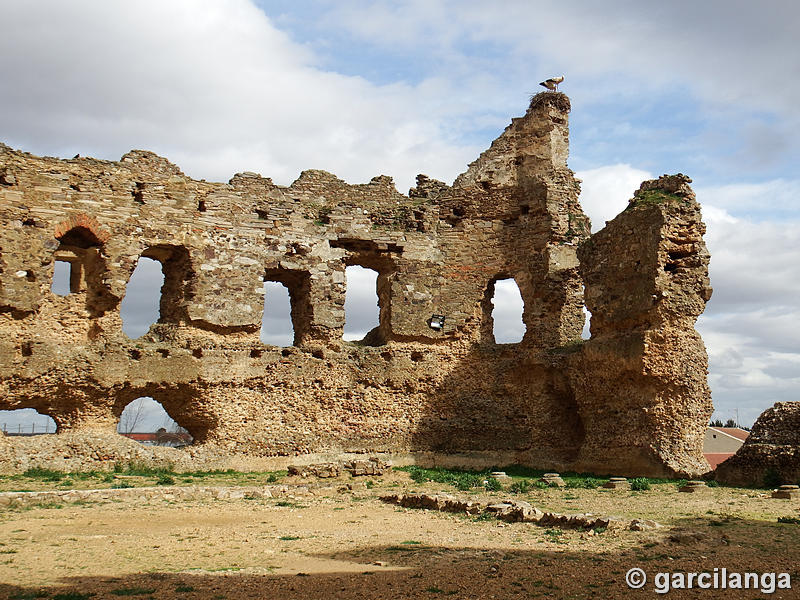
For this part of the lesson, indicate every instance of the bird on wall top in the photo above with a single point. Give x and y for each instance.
(552, 83)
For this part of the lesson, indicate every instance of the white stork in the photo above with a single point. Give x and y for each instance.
(552, 83)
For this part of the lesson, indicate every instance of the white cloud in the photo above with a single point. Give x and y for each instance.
(214, 87)
(605, 191)
(763, 199)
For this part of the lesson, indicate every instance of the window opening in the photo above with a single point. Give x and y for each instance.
(140, 307)
(146, 421)
(276, 324)
(62, 272)
(26, 421)
(507, 308)
(361, 310)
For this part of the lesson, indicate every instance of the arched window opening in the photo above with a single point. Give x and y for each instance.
(361, 305)
(26, 421)
(144, 420)
(276, 323)
(141, 305)
(62, 275)
(79, 267)
(503, 308)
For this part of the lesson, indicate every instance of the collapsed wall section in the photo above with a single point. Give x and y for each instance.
(641, 380)
(771, 453)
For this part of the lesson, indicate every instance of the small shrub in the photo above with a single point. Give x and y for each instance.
(184, 588)
(712, 483)
(370, 484)
(790, 520)
(289, 538)
(640, 484)
(540, 484)
(272, 478)
(492, 485)
(165, 479)
(467, 482)
(121, 485)
(587, 483)
(520, 487)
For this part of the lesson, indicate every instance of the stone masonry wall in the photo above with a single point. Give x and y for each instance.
(407, 389)
(771, 453)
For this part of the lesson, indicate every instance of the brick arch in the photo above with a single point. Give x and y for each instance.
(82, 221)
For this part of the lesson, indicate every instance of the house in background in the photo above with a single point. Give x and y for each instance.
(721, 443)
(162, 437)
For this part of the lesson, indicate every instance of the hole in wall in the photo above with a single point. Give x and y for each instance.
(277, 328)
(586, 332)
(361, 310)
(146, 421)
(62, 271)
(140, 307)
(201, 206)
(26, 422)
(507, 309)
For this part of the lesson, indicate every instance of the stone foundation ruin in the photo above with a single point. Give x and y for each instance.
(632, 400)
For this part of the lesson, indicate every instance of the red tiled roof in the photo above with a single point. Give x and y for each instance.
(715, 458)
(141, 437)
(739, 434)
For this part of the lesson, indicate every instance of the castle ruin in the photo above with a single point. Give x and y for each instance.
(632, 400)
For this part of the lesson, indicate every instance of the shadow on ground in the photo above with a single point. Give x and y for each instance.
(414, 570)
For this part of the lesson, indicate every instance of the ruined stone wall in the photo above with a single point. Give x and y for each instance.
(406, 388)
(771, 453)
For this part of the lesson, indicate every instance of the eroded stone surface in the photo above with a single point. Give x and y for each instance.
(633, 400)
(641, 380)
(771, 451)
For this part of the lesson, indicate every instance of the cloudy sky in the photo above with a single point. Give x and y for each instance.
(710, 89)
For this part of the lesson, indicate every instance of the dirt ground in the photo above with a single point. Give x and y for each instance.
(331, 542)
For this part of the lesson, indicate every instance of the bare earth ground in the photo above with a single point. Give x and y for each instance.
(326, 543)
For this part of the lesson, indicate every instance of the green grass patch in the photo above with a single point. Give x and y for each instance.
(290, 538)
(184, 588)
(44, 474)
(639, 484)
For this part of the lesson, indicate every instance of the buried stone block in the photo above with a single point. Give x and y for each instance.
(787, 492)
(617, 483)
(553, 480)
(693, 486)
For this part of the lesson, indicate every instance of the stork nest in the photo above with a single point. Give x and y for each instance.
(557, 100)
